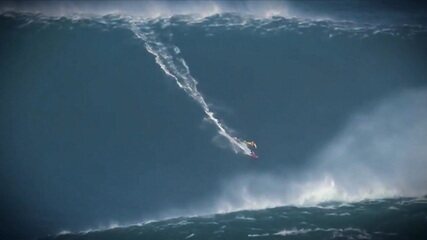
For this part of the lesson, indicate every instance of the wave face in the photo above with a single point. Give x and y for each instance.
(110, 118)
(381, 219)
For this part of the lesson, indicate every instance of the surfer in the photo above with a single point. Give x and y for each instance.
(250, 144)
(248, 148)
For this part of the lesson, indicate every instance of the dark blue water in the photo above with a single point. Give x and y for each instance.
(381, 219)
(94, 132)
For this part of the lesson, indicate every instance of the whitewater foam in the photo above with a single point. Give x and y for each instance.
(337, 232)
(190, 236)
(153, 9)
(217, 22)
(259, 235)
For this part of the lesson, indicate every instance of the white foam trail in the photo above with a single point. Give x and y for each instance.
(167, 57)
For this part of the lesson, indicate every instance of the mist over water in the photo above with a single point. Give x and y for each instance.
(104, 121)
(379, 153)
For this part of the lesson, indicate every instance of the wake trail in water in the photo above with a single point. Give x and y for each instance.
(168, 57)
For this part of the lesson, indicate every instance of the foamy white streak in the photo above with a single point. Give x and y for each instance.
(167, 57)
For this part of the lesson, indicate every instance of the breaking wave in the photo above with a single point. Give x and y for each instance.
(380, 152)
(330, 180)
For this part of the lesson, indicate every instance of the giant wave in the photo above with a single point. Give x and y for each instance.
(377, 154)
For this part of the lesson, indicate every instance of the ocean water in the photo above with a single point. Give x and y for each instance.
(122, 120)
(400, 218)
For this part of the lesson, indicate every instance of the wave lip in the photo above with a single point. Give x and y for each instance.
(152, 9)
(218, 23)
(362, 11)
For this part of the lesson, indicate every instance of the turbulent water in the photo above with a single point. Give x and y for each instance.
(402, 218)
(110, 117)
